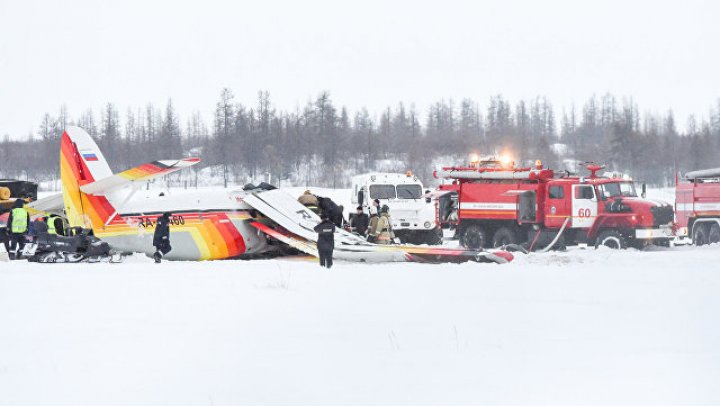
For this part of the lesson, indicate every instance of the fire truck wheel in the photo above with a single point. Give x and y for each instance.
(611, 239)
(474, 237)
(714, 233)
(504, 236)
(700, 234)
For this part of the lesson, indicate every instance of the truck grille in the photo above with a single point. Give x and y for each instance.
(662, 215)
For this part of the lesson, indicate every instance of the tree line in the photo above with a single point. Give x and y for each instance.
(323, 144)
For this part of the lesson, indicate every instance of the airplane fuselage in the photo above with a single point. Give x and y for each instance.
(204, 225)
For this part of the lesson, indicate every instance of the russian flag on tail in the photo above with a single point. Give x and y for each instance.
(89, 157)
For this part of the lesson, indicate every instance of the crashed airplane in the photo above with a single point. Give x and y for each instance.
(208, 224)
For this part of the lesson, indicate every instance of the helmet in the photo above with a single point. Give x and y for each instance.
(384, 209)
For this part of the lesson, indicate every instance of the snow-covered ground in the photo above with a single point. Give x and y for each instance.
(583, 327)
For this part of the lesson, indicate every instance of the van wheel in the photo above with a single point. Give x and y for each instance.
(714, 233)
(434, 237)
(474, 237)
(504, 236)
(700, 234)
(611, 239)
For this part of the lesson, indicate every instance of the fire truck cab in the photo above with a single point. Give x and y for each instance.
(697, 206)
(494, 204)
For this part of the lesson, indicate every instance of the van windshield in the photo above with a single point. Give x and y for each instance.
(409, 191)
(382, 191)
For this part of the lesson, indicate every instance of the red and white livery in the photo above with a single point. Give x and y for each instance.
(491, 203)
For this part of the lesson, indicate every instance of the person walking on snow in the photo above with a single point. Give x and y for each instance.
(161, 238)
(326, 241)
(18, 225)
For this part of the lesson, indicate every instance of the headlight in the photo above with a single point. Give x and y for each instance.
(427, 224)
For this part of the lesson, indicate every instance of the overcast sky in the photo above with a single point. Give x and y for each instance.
(665, 54)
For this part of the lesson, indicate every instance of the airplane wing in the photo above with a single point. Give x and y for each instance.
(292, 241)
(291, 215)
(299, 221)
(138, 174)
(51, 204)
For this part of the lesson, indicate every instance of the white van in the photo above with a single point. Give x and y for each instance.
(413, 217)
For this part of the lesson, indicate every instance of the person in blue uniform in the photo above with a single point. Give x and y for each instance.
(326, 241)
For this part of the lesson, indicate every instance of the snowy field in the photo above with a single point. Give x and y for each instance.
(583, 327)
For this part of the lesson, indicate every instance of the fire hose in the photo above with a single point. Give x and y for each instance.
(554, 241)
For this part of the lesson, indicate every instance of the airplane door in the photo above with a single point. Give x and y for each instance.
(584, 206)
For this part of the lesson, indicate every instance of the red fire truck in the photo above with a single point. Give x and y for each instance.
(697, 206)
(490, 203)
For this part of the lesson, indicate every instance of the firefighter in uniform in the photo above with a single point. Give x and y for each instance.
(18, 225)
(326, 241)
(161, 238)
(309, 200)
(372, 227)
(383, 232)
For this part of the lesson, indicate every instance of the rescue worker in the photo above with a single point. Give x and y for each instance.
(39, 227)
(383, 230)
(339, 219)
(359, 223)
(55, 225)
(18, 225)
(374, 217)
(309, 200)
(331, 210)
(161, 238)
(326, 241)
(376, 205)
(5, 238)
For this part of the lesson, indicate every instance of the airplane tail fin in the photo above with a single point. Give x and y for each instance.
(91, 192)
(81, 163)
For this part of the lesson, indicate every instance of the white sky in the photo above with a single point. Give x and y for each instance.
(665, 54)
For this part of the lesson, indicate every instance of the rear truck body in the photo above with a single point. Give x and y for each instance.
(494, 204)
(411, 212)
(11, 189)
(697, 206)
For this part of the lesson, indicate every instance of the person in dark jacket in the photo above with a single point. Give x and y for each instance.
(39, 227)
(161, 238)
(326, 241)
(55, 225)
(5, 239)
(331, 210)
(18, 225)
(360, 222)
